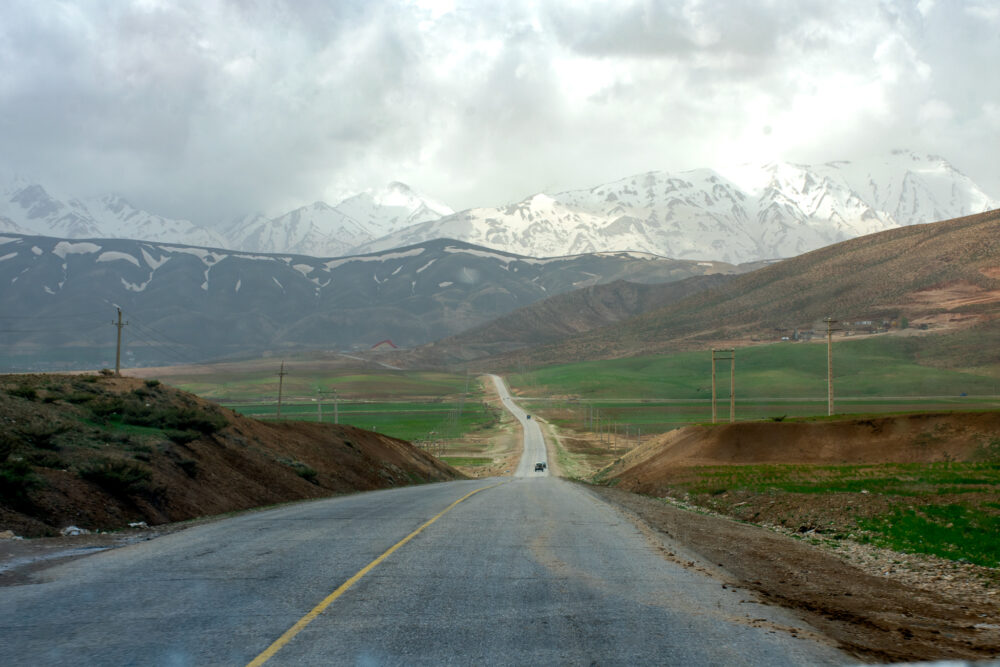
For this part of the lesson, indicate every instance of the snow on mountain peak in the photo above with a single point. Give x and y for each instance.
(737, 213)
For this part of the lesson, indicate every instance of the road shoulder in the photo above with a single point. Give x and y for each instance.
(870, 617)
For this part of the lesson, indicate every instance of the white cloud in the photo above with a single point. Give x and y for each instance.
(210, 109)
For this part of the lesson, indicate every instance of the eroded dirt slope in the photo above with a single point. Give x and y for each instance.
(101, 452)
(916, 438)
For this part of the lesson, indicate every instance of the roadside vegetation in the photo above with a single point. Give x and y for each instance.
(949, 510)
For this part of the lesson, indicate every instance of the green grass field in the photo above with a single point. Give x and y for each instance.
(304, 382)
(408, 420)
(868, 368)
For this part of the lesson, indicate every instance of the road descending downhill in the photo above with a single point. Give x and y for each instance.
(534, 442)
(525, 570)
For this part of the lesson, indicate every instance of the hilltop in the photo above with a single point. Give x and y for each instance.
(939, 278)
(100, 452)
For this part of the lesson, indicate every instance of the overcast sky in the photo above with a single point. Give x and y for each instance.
(211, 109)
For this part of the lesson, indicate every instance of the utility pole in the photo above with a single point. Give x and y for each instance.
(719, 355)
(829, 365)
(281, 380)
(336, 407)
(118, 345)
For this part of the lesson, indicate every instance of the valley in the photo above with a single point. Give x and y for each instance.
(257, 379)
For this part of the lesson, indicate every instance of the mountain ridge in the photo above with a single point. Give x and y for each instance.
(189, 303)
(943, 277)
(735, 214)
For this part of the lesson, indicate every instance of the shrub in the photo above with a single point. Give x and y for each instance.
(46, 460)
(107, 372)
(152, 383)
(189, 466)
(24, 392)
(118, 477)
(16, 481)
(305, 472)
(43, 436)
(7, 444)
(181, 437)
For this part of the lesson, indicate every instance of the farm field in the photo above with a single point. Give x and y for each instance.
(416, 421)
(451, 415)
(657, 394)
(866, 368)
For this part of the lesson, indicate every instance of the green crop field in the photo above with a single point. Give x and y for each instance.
(407, 420)
(302, 381)
(868, 368)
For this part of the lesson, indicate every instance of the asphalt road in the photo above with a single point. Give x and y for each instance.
(534, 442)
(526, 570)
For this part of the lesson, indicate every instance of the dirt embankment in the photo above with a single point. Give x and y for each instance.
(917, 438)
(103, 452)
(876, 603)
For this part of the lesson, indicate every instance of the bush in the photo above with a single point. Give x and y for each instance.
(305, 472)
(24, 392)
(16, 482)
(189, 466)
(118, 477)
(181, 437)
(43, 436)
(133, 410)
(7, 444)
(46, 460)
(152, 383)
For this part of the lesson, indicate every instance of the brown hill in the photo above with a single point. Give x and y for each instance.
(101, 452)
(556, 318)
(944, 276)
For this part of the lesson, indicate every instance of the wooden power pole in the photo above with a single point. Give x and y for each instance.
(829, 365)
(281, 380)
(720, 355)
(118, 346)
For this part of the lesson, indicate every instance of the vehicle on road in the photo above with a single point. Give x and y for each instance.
(539, 466)
(528, 416)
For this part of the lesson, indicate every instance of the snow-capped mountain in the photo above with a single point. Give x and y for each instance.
(318, 229)
(737, 214)
(330, 231)
(31, 209)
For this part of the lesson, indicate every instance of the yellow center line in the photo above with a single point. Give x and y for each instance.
(328, 600)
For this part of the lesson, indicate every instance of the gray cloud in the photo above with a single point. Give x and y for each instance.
(207, 110)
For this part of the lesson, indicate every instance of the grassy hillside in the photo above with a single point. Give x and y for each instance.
(103, 451)
(943, 276)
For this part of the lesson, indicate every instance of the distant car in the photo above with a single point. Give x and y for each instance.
(539, 467)
(528, 416)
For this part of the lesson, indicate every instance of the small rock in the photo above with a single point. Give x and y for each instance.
(7, 535)
(73, 530)
(138, 524)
